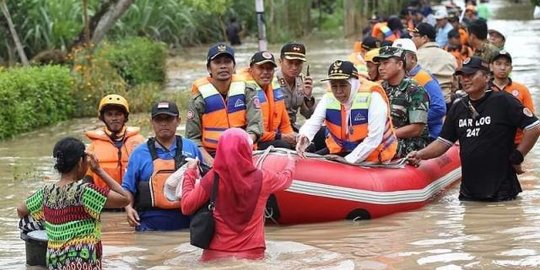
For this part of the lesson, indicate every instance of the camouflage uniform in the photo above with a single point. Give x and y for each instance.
(196, 109)
(295, 99)
(410, 103)
(487, 51)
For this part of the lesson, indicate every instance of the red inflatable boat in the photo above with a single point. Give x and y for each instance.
(325, 190)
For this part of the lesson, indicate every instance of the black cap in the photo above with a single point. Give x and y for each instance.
(341, 70)
(217, 50)
(471, 65)
(424, 29)
(165, 107)
(293, 51)
(263, 57)
(388, 52)
(370, 42)
(502, 54)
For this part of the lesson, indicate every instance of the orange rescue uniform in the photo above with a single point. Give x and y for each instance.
(274, 113)
(521, 92)
(111, 158)
(220, 115)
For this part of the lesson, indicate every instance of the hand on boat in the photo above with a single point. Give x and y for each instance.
(302, 143)
(518, 169)
(413, 158)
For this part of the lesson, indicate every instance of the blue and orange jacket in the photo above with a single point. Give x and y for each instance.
(220, 115)
(273, 109)
(111, 158)
(344, 135)
(382, 32)
(437, 105)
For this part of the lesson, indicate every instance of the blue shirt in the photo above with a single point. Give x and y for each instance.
(140, 168)
(437, 105)
(442, 35)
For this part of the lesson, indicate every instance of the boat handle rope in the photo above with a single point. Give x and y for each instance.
(396, 164)
(268, 212)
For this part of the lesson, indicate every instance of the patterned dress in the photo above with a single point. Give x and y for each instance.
(410, 103)
(71, 215)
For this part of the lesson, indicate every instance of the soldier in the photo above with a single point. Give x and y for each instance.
(409, 102)
(478, 34)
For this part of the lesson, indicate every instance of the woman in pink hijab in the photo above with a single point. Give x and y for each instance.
(241, 198)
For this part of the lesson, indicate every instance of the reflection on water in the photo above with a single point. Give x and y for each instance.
(444, 235)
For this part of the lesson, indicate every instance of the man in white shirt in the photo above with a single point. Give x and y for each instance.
(356, 114)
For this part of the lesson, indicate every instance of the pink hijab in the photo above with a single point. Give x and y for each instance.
(239, 181)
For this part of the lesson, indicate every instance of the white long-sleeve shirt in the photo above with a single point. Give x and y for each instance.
(377, 113)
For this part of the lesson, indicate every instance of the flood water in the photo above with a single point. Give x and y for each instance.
(446, 234)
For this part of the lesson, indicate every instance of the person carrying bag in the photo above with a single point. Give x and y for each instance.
(242, 191)
(202, 226)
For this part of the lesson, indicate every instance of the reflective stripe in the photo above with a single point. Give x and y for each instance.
(218, 115)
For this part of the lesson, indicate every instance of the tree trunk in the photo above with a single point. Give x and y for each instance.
(109, 19)
(14, 35)
(352, 17)
(103, 20)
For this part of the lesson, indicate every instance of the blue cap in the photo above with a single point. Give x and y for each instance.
(219, 49)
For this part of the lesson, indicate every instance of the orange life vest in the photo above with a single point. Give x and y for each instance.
(463, 36)
(344, 135)
(460, 54)
(111, 158)
(151, 193)
(273, 109)
(219, 115)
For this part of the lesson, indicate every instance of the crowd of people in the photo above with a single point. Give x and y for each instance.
(396, 96)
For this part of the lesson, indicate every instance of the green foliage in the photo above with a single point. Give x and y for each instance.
(34, 97)
(141, 97)
(334, 18)
(138, 60)
(180, 22)
(94, 78)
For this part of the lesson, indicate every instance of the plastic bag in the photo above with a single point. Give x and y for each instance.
(536, 13)
(173, 184)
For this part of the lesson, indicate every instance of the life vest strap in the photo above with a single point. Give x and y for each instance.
(179, 158)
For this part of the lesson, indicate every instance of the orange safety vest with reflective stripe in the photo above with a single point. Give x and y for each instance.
(381, 31)
(346, 134)
(219, 115)
(151, 193)
(111, 158)
(273, 109)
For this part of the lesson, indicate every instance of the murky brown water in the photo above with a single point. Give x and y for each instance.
(444, 235)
